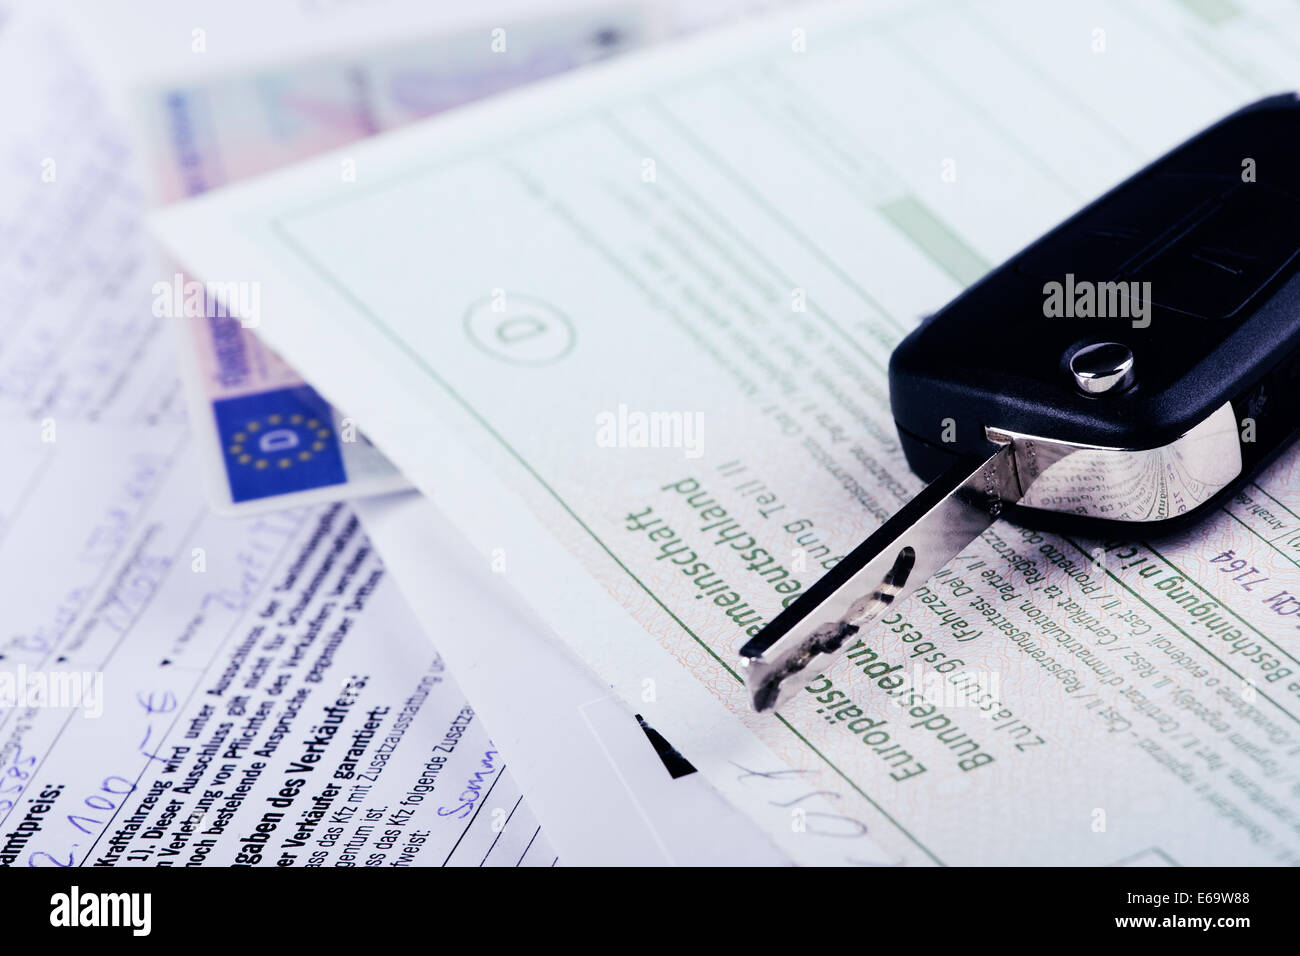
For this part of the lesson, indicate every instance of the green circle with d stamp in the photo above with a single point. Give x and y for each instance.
(520, 329)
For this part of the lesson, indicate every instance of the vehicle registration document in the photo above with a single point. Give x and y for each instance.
(629, 328)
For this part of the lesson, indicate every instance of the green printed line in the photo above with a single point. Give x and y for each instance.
(1213, 12)
(1260, 488)
(638, 145)
(1244, 622)
(936, 239)
(1285, 556)
(990, 121)
(1045, 78)
(1159, 31)
(756, 196)
(1209, 48)
(1156, 611)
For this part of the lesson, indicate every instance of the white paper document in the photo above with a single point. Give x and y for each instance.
(77, 339)
(177, 688)
(562, 728)
(197, 690)
(629, 330)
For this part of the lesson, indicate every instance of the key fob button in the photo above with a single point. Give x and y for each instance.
(1232, 252)
(1118, 230)
(1102, 368)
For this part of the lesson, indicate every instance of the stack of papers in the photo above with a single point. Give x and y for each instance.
(190, 679)
(621, 335)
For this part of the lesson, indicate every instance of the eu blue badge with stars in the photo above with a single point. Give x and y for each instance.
(278, 442)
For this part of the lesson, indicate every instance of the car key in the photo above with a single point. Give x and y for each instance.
(1122, 375)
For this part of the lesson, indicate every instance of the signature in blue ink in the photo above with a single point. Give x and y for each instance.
(474, 789)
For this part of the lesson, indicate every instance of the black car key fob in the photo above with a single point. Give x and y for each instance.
(1121, 376)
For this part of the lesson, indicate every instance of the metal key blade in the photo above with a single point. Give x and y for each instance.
(930, 530)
